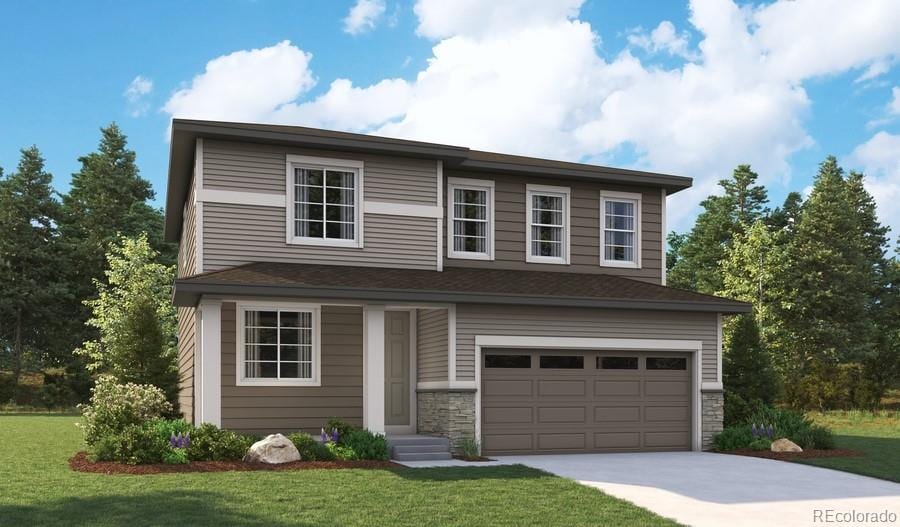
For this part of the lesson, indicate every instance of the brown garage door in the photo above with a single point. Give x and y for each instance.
(585, 401)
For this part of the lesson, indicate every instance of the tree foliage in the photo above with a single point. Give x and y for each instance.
(135, 319)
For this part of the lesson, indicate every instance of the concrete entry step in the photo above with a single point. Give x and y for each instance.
(422, 456)
(419, 448)
(417, 440)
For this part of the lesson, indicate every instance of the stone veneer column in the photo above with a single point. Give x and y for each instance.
(712, 415)
(446, 413)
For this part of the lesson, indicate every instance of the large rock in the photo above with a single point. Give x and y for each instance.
(785, 445)
(272, 449)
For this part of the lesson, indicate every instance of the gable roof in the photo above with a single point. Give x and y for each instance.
(453, 284)
(186, 131)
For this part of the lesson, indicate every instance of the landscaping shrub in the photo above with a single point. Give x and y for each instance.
(761, 444)
(167, 428)
(467, 447)
(140, 445)
(104, 449)
(209, 443)
(367, 445)
(343, 428)
(341, 452)
(814, 437)
(114, 407)
(175, 456)
(55, 392)
(733, 438)
(310, 449)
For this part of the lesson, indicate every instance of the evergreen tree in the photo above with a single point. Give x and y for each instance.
(785, 217)
(746, 366)
(135, 319)
(29, 266)
(697, 265)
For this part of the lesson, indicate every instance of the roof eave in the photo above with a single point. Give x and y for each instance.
(187, 294)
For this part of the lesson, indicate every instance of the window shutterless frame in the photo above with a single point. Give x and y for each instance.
(240, 355)
(455, 219)
(564, 194)
(621, 197)
(323, 164)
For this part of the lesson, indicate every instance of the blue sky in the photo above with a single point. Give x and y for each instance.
(687, 88)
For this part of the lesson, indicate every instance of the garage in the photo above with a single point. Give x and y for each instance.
(560, 401)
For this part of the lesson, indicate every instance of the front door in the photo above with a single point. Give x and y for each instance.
(397, 371)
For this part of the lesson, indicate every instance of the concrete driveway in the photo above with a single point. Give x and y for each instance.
(706, 489)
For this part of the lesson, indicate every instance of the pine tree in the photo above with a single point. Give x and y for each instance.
(746, 365)
(697, 265)
(785, 217)
(29, 266)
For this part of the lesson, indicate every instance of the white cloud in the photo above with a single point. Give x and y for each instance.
(663, 39)
(874, 70)
(135, 93)
(526, 76)
(879, 158)
(894, 105)
(363, 16)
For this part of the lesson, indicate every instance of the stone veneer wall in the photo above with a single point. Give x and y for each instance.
(446, 413)
(712, 416)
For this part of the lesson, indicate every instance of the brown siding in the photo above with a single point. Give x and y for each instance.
(187, 265)
(270, 409)
(261, 168)
(238, 234)
(509, 227)
(474, 319)
(431, 348)
(187, 248)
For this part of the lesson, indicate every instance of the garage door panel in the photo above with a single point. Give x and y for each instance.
(609, 388)
(508, 442)
(654, 414)
(667, 439)
(573, 441)
(572, 414)
(561, 388)
(517, 387)
(609, 440)
(670, 387)
(503, 415)
(617, 414)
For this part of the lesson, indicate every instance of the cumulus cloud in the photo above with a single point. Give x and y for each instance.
(663, 38)
(894, 105)
(363, 16)
(135, 94)
(879, 159)
(528, 77)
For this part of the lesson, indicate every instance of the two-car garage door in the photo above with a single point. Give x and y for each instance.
(537, 401)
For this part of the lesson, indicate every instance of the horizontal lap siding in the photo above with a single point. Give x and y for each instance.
(238, 234)
(250, 167)
(431, 333)
(285, 409)
(509, 228)
(473, 319)
(186, 348)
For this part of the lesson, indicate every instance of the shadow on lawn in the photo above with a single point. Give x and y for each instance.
(471, 473)
(174, 507)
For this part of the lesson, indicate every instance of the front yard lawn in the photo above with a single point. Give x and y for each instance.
(876, 434)
(37, 488)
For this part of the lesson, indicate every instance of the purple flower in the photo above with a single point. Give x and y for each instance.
(771, 432)
(180, 441)
(754, 431)
(324, 435)
(335, 435)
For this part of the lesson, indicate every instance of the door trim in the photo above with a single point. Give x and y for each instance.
(413, 416)
(694, 347)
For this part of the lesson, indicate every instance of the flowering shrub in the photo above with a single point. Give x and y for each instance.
(208, 443)
(366, 445)
(114, 407)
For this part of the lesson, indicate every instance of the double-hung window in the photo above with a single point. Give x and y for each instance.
(324, 201)
(470, 232)
(547, 225)
(620, 234)
(278, 346)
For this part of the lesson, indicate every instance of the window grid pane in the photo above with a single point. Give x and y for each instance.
(619, 230)
(325, 204)
(547, 225)
(278, 345)
(470, 220)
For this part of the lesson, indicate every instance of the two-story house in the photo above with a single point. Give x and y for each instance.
(410, 287)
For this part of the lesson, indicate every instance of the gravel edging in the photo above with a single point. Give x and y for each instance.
(80, 463)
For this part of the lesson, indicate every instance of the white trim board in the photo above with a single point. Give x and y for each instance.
(209, 407)
(695, 347)
(233, 197)
(402, 209)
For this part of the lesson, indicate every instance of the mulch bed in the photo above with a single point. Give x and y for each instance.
(473, 459)
(806, 454)
(80, 463)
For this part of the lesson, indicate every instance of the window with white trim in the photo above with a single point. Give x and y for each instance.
(278, 346)
(620, 229)
(548, 224)
(470, 230)
(324, 202)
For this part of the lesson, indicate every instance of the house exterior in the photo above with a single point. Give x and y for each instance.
(411, 287)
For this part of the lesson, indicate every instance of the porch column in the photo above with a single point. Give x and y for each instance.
(373, 368)
(208, 377)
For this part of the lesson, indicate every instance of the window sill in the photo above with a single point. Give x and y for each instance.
(320, 242)
(470, 256)
(619, 265)
(278, 382)
(546, 260)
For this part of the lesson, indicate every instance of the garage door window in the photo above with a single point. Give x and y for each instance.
(666, 363)
(507, 361)
(562, 362)
(617, 363)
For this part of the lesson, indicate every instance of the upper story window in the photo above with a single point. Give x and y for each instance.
(547, 230)
(278, 345)
(620, 221)
(324, 201)
(470, 231)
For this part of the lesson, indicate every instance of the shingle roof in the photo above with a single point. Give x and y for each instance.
(453, 284)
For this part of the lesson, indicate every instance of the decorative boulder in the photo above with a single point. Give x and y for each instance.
(272, 449)
(785, 445)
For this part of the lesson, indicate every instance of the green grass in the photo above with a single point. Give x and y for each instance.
(876, 434)
(37, 488)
